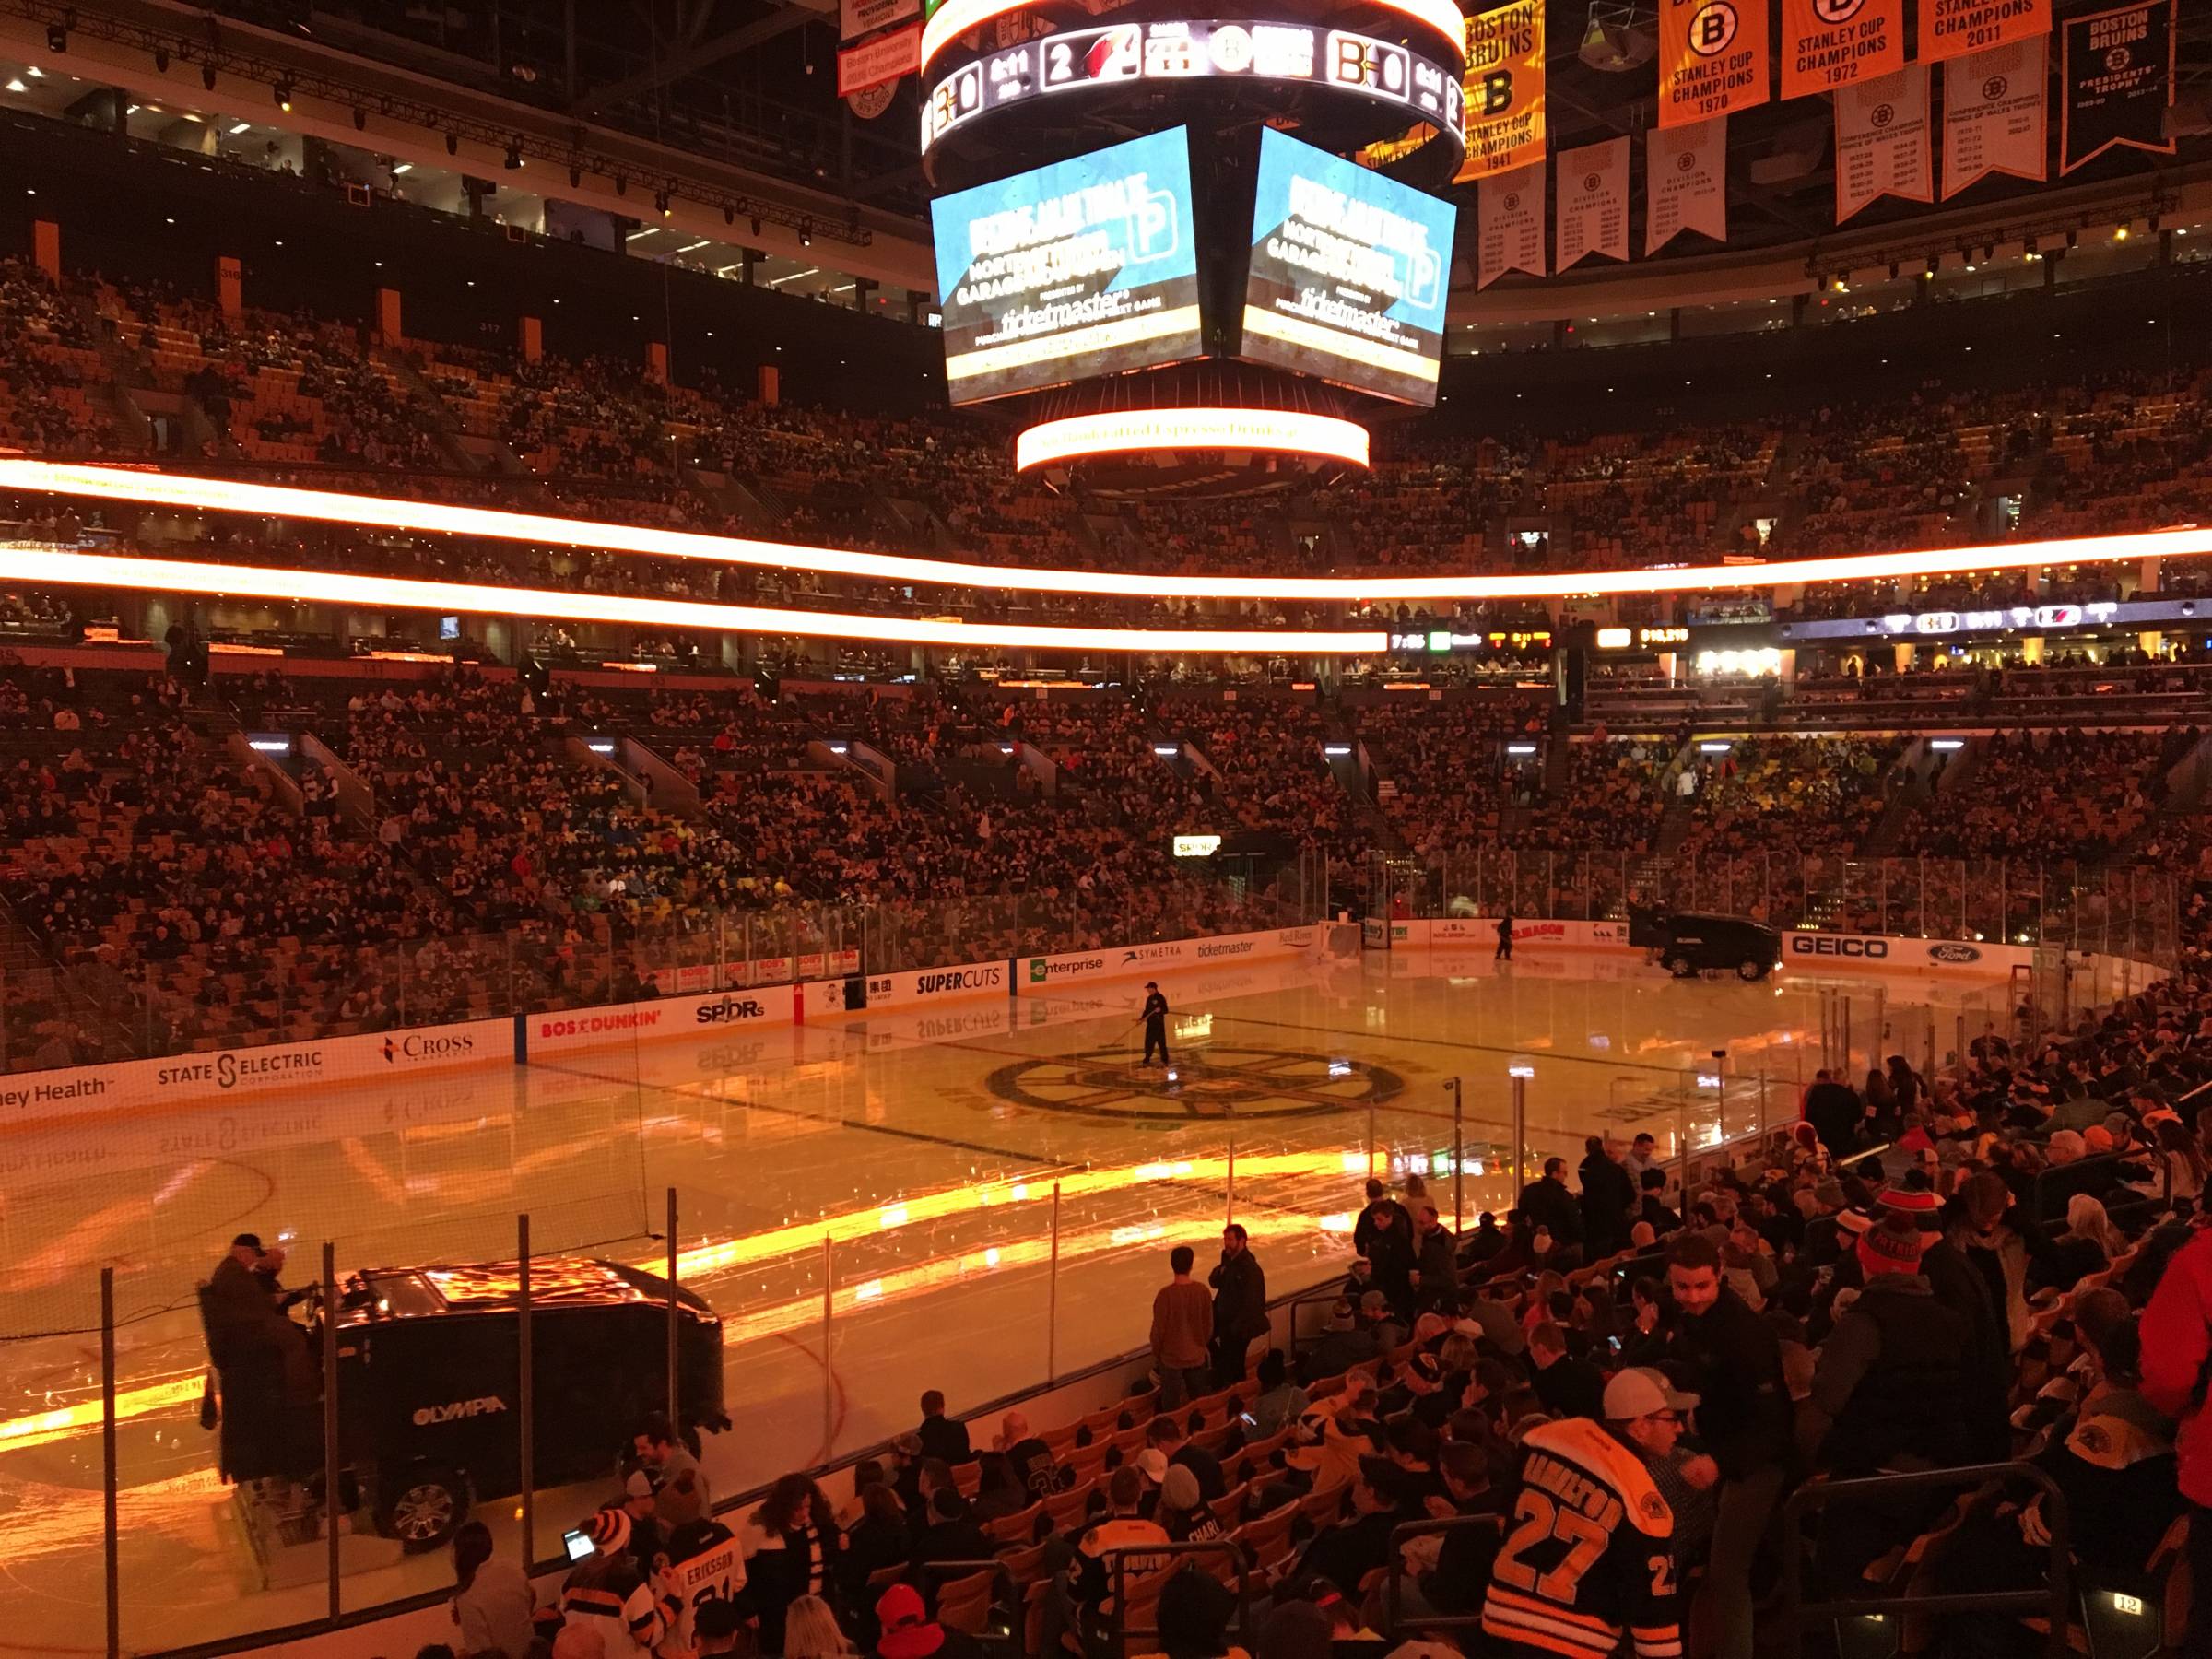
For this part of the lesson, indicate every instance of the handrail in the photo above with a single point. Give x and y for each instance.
(1394, 1626)
(1117, 1567)
(2055, 1597)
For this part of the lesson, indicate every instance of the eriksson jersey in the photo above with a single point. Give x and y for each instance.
(1590, 1552)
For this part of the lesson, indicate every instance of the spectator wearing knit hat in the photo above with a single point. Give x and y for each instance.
(910, 1633)
(605, 1592)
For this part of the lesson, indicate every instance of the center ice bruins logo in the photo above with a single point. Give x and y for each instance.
(1215, 1083)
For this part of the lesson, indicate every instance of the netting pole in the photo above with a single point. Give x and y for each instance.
(1229, 1210)
(674, 1420)
(1459, 1171)
(332, 1478)
(1371, 1140)
(1051, 1309)
(111, 1538)
(526, 1391)
(1520, 1136)
(828, 1420)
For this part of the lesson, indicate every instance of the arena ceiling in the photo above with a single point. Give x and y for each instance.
(752, 83)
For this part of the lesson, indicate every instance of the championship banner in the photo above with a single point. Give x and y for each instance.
(1994, 114)
(1686, 182)
(1712, 58)
(1831, 43)
(857, 17)
(1592, 184)
(1508, 217)
(1951, 28)
(2118, 83)
(878, 62)
(1505, 90)
(1882, 141)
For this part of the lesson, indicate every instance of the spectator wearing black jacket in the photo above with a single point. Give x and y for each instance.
(1547, 1203)
(1378, 1200)
(1436, 1262)
(1653, 1207)
(1240, 1305)
(942, 1437)
(1731, 1359)
(1608, 1199)
(1391, 1258)
(1836, 1113)
(1568, 1386)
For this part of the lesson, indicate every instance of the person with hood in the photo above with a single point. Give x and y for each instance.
(909, 1632)
(1999, 1240)
(1240, 1288)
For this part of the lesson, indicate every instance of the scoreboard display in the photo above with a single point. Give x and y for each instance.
(1088, 266)
(1349, 273)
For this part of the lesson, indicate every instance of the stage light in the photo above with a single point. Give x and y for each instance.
(1281, 431)
(207, 76)
(660, 201)
(453, 144)
(57, 38)
(807, 234)
(361, 120)
(275, 501)
(448, 598)
(160, 60)
(282, 93)
(575, 177)
(621, 185)
(729, 215)
(514, 157)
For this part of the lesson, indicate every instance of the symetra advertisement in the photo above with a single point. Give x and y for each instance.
(1349, 273)
(1086, 267)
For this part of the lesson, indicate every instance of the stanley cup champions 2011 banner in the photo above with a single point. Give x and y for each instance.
(1686, 182)
(1505, 90)
(2118, 83)
(1994, 114)
(1831, 43)
(1953, 28)
(1712, 58)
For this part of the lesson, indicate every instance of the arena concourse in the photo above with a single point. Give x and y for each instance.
(659, 998)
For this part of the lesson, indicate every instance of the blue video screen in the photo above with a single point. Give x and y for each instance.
(1349, 273)
(1086, 267)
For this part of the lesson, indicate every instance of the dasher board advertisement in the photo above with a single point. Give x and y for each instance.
(1086, 267)
(1349, 273)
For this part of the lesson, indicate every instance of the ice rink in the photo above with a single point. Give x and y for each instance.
(870, 1205)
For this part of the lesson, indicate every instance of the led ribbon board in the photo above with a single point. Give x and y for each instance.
(1349, 273)
(949, 20)
(399, 512)
(1279, 431)
(1088, 266)
(1410, 86)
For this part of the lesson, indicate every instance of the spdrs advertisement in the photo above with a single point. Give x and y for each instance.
(1349, 273)
(1088, 266)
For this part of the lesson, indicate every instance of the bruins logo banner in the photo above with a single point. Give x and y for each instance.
(1831, 43)
(1712, 58)
(1505, 90)
(2118, 82)
(1952, 28)
(1994, 115)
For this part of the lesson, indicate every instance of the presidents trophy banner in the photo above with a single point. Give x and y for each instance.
(1505, 90)
(1508, 217)
(1994, 114)
(1686, 182)
(1882, 141)
(1712, 58)
(2118, 83)
(1951, 28)
(1594, 202)
(1831, 43)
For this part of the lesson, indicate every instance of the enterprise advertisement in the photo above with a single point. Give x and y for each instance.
(1349, 273)
(1086, 267)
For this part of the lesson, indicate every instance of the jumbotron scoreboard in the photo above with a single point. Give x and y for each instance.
(1212, 303)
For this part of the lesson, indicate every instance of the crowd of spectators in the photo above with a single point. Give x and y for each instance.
(1814, 796)
(2061, 795)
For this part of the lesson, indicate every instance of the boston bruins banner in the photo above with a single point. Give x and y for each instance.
(2118, 82)
(1882, 141)
(1831, 43)
(1508, 219)
(1712, 58)
(1686, 182)
(1994, 114)
(1951, 27)
(1594, 202)
(1505, 90)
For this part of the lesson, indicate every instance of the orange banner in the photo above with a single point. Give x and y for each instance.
(1505, 90)
(1712, 58)
(1831, 43)
(1950, 28)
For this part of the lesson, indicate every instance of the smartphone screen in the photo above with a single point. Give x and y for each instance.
(577, 1544)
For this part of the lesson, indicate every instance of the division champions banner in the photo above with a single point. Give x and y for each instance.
(2118, 83)
(1686, 182)
(1594, 202)
(1505, 90)
(1712, 58)
(1508, 216)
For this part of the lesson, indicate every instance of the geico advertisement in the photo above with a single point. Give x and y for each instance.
(1086, 267)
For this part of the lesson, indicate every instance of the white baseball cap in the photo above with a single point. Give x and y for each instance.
(1641, 1391)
